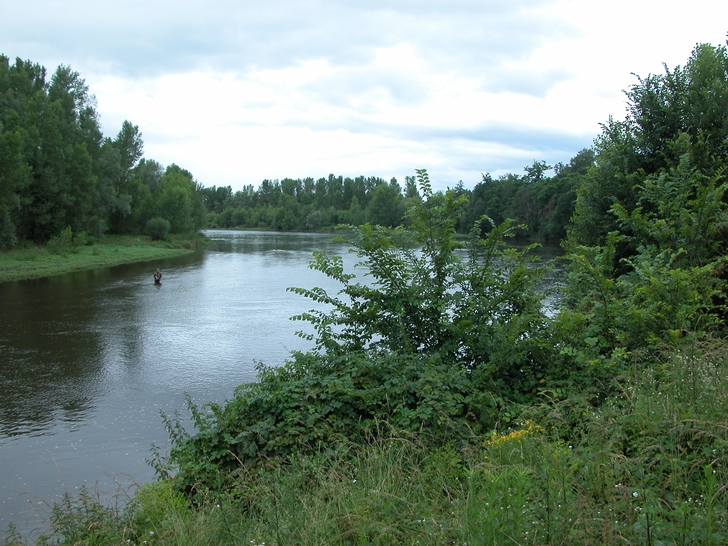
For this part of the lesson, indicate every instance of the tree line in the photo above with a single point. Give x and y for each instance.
(58, 171)
(542, 204)
(309, 204)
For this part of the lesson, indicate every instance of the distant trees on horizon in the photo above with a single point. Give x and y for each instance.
(57, 170)
(544, 204)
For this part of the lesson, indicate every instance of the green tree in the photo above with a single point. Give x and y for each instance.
(386, 205)
(179, 201)
(63, 188)
(557, 195)
(690, 101)
(15, 175)
(536, 172)
(411, 191)
(22, 94)
(127, 149)
(648, 241)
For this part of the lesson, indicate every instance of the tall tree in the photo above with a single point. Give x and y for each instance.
(129, 148)
(691, 101)
(386, 207)
(179, 200)
(63, 188)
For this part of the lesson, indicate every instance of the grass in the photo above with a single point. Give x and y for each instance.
(649, 466)
(56, 259)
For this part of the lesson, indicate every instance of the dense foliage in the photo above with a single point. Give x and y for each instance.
(648, 239)
(647, 467)
(58, 171)
(448, 340)
(440, 403)
(676, 120)
(543, 204)
(454, 342)
(431, 339)
(308, 204)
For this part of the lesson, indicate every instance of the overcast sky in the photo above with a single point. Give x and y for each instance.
(237, 91)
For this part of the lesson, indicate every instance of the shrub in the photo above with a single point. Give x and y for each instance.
(61, 243)
(482, 313)
(84, 239)
(158, 228)
(434, 342)
(313, 402)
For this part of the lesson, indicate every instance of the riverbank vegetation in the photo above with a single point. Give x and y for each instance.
(542, 203)
(645, 467)
(441, 404)
(58, 171)
(66, 254)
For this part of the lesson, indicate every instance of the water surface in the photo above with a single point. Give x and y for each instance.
(88, 360)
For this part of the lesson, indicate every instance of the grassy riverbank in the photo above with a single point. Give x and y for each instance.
(35, 262)
(646, 467)
(442, 406)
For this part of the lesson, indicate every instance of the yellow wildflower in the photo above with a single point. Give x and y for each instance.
(529, 429)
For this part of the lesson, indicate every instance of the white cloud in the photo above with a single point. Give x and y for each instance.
(241, 91)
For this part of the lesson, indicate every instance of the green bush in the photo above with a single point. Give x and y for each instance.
(312, 402)
(158, 228)
(61, 243)
(84, 239)
(434, 342)
(482, 312)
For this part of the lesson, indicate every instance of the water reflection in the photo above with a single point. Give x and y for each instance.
(233, 241)
(46, 361)
(56, 336)
(88, 360)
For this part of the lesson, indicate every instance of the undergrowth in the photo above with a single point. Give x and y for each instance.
(647, 467)
(442, 406)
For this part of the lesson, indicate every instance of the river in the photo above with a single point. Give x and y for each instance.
(89, 360)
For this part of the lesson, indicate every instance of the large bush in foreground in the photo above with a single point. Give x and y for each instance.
(434, 339)
(647, 467)
(477, 306)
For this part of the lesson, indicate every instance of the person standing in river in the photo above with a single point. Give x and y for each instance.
(157, 277)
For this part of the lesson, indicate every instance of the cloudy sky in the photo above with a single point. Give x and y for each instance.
(237, 90)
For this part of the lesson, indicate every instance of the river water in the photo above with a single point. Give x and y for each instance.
(89, 360)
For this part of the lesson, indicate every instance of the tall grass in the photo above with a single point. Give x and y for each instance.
(650, 466)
